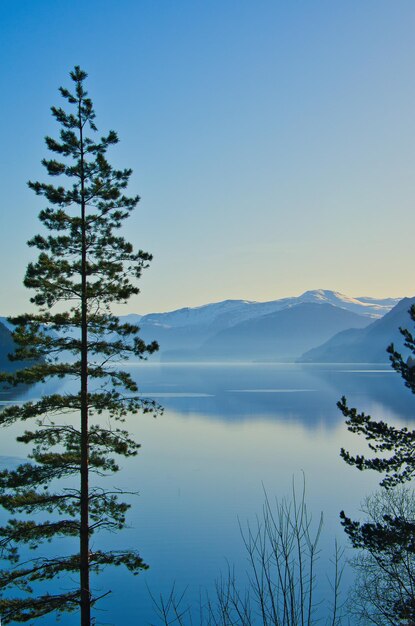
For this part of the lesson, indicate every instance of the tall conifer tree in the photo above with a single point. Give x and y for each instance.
(84, 265)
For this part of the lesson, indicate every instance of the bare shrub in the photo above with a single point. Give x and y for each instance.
(282, 580)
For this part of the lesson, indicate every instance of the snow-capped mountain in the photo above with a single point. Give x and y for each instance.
(244, 329)
(186, 333)
(204, 315)
(371, 307)
(229, 312)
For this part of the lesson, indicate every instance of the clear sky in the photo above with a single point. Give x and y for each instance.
(272, 141)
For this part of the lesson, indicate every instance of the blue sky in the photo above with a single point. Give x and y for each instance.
(272, 142)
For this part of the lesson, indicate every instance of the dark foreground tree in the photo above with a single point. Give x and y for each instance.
(84, 266)
(387, 539)
(385, 578)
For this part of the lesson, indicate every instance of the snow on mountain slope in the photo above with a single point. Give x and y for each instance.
(388, 302)
(363, 306)
(229, 312)
(203, 315)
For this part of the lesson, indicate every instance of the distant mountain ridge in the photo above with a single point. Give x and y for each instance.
(315, 325)
(279, 336)
(367, 345)
(7, 347)
(196, 333)
(234, 311)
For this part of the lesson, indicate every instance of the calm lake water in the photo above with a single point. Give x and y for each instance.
(227, 433)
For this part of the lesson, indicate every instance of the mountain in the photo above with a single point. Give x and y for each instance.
(367, 345)
(7, 347)
(281, 335)
(6, 323)
(384, 302)
(229, 312)
(371, 307)
(189, 328)
(244, 329)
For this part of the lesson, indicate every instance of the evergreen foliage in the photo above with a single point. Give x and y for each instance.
(388, 539)
(84, 265)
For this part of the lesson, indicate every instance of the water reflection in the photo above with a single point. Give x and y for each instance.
(306, 394)
(228, 430)
(239, 391)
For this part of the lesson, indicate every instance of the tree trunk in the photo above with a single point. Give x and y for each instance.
(84, 531)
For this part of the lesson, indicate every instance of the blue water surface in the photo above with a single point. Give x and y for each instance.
(228, 433)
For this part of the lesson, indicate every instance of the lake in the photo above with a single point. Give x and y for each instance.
(228, 433)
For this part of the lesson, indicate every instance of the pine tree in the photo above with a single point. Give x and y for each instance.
(389, 539)
(83, 267)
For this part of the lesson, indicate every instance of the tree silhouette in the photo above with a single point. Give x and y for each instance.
(389, 538)
(384, 564)
(84, 266)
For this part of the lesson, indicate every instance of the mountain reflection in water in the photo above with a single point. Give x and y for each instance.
(305, 394)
